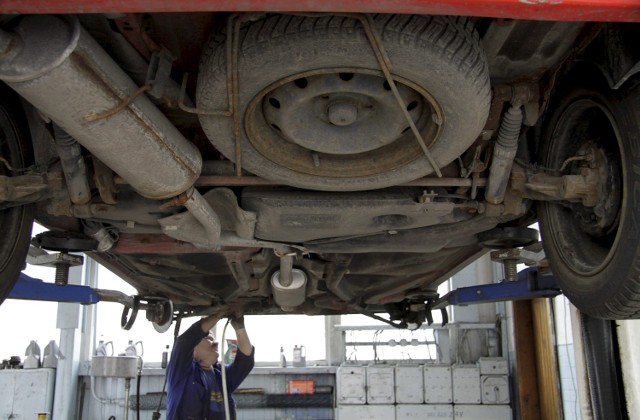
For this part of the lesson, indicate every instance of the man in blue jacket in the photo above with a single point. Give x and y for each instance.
(194, 375)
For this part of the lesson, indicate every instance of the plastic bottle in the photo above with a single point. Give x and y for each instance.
(131, 350)
(32, 361)
(296, 355)
(165, 357)
(283, 360)
(101, 349)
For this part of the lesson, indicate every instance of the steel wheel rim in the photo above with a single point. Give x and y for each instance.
(581, 251)
(286, 147)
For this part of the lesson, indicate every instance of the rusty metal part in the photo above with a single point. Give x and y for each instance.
(504, 152)
(61, 261)
(518, 94)
(130, 27)
(587, 187)
(126, 101)
(22, 189)
(103, 177)
(385, 64)
(231, 76)
(235, 92)
(204, 214)
(526, 94)
(510, 258)
(73, 166)
(243, 181)
(232, 44)
(194, 110)
(341, 113)
(161, 244)
(74, 75)
(377, 45)
(269, 143)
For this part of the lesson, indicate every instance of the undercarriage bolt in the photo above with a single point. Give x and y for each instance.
(510, 270)
(62, 273)
(61, 261)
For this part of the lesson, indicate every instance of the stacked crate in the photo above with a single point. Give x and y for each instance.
(459, 392)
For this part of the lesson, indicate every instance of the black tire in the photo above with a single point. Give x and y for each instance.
(16, 222)
(436, 59)
(596, 254)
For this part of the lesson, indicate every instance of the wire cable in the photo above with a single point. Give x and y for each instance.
(176, 331)
(225, 391)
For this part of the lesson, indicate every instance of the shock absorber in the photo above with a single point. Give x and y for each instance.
(503, 154)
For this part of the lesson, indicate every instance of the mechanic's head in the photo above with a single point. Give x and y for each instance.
(206, 352)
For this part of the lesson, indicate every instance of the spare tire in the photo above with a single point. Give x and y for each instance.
(317, 112)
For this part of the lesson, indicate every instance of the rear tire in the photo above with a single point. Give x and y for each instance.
(595, 252)
(16, 222)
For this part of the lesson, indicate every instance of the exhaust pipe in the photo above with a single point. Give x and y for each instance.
(57, 66)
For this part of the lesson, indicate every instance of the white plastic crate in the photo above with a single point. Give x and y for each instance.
(482, 412)
(380, 384)
(366, 412)
(495, 389)
(437, 384)
(466, 384)
(493, 366)
(26, 392)
(409, 384)
(351, 384)
(424, 411)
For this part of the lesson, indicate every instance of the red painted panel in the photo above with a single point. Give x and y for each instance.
(575, 10)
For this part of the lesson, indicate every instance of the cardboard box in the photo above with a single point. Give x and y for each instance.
(300, 386)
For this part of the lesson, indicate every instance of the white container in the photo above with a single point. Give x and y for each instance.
(351, 385)
(424, 411)
(482, 412)
(495, 389)
(366, 412)
(409, 381)
(437, 384)
(466, 384)
(25, 393)
(493, 366)
(380, 384)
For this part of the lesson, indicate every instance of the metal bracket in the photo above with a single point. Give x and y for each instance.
(159, 72)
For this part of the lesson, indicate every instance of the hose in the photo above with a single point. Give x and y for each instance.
(176, 331)
(225, 391)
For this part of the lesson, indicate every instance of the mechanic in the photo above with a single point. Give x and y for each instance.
(194, 376)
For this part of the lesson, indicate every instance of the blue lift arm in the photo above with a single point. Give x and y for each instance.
(530, 284)
(28, 288)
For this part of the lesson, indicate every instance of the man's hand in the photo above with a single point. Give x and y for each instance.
(210, 321)
(237, 322)
(244, 344)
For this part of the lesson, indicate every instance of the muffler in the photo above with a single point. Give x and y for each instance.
(57, 66)
(288, 285)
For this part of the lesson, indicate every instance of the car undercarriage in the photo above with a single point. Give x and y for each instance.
(321, 163)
